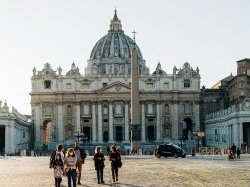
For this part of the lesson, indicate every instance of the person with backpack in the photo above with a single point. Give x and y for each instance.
(59, 150)
(58, 169)
(81, 155)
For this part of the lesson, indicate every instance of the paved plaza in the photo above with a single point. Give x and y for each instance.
(137, 171)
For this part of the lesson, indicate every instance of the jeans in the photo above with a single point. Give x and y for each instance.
(71, 174)
(99, 173)
(114, 169)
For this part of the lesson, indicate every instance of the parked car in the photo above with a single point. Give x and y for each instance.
(169, 150)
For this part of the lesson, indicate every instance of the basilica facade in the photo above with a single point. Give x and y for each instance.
(98, 102)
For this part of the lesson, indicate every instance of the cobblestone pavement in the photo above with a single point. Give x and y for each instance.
(137, 171)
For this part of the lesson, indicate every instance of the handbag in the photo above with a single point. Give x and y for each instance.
(119, 163)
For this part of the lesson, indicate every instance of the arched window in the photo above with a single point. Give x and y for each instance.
(187, 108)
(150, 108)
(86, 109)
(118, 109)
(69, 110)
(105, 109)
(166, 109)
(48, 110)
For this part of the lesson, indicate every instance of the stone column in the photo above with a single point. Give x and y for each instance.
(143, 130)
(78, 116)
(126, 122)
(12, 138)
(37, 125)
(197, 116)
(175, 121)
(60, 122)
(7, 139)
(94, 121)
(158, 121)
(111, 128)
(100, 138)
(240, 133)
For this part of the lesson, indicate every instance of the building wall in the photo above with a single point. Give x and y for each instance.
(159, 92)
(17, 130)
(225, 127)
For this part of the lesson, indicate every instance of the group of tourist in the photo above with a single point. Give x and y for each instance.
(233, 151)
(70, 165)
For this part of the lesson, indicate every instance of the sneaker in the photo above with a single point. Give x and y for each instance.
(102, 181)
(79, 183)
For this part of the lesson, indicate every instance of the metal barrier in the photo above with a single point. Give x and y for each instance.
(210, 151)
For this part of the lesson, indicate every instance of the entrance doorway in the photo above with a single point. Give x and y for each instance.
(187, 129)
(2, 139)
(48, 133)
(105, 136)
(118, 133)
(151, 132)
(246, 135)
(86, 131)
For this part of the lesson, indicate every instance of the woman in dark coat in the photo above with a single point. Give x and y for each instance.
(115, 159)
(99, 164)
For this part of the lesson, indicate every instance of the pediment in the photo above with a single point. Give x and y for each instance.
(115, 87)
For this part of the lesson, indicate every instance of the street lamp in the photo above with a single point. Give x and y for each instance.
(79, 135)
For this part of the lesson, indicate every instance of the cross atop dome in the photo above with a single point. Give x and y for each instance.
(115, 25)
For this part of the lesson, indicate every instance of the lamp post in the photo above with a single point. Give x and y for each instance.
(79, 135)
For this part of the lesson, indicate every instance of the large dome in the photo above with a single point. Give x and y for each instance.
(112, 53)
(114, 44)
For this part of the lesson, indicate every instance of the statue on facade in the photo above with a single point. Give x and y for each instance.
(34, 71)
(59, 70)
(174, 70)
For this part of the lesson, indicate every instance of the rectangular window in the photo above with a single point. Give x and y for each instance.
(150, 108)
(149, 85)
(166, 85)
(47, 84)
(104, 84)
(186, 83)
(85, 85)
(68, 85)
(86, 109)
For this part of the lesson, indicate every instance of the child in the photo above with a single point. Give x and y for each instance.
(99, 164)
(70, 166)
(58, 169)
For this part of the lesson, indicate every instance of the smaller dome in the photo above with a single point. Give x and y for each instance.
(158, 70)
(74, 70)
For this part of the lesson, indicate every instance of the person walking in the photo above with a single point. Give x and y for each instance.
(108, 150)
(238, 153)
(58, 169)
(233, 148)
(115, 159)
(81, 155)
(99, 164)
(58, 150)
(70, 166)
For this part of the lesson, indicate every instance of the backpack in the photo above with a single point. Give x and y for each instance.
(52, 158)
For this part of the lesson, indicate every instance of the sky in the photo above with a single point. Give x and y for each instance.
(211, 35)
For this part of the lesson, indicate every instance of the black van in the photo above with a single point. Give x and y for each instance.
(169, 150)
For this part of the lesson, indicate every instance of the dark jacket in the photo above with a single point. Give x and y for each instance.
(99, 163)
(115, 159)
(82, 153)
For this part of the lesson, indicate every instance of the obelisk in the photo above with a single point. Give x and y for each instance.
(135, 103)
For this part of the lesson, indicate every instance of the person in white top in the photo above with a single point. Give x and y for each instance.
(70, 166)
